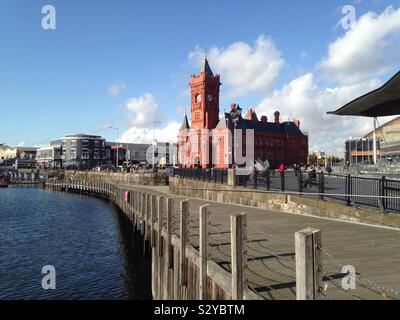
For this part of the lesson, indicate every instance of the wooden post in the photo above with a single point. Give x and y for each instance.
(160, 213)
(153, 213)
(184, 219)
(136, 215)
(133, 216)
(146, 217)
(142, 214)
(308, 264)
(134, 200)
(204, 216)
(159, 247)
(140, 202)
(170, 207)
(238, 254)
(168, 273)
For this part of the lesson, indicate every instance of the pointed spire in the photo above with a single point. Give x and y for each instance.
(185, 123)
(206, 67)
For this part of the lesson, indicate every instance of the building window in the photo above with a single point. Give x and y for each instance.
(85, 154)
(96, 154)
(72, 153)
(85, 143)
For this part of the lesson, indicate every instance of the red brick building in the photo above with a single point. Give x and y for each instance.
(208, 140)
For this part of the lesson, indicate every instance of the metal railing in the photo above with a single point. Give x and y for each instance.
(380, 193)
(207, 175)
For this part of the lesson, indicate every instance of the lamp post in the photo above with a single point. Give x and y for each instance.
(374, 137)
(116, 161)
(155, 122)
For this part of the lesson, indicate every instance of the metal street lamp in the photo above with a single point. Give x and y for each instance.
(116, 161)
(155, 122)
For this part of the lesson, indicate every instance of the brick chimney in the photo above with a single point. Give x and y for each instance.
(277, 115)
(233, 106)
(249, 114)
(264, 119)
(297, 123)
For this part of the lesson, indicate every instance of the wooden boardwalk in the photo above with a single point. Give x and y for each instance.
(373, 251)
(271, 262)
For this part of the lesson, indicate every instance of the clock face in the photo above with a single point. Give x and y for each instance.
(210, 97)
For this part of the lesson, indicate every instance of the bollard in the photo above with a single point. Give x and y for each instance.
(204, 218)
(184, 220)
(308, 264)
(238, 254)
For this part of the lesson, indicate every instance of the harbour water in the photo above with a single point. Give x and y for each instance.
(88, 241)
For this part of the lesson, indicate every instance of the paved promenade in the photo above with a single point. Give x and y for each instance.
(373, 251)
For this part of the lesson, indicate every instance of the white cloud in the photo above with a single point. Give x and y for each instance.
(244, 68)
(303, 99)
(145, 111)
(169, 133)
(368, 50)
(115, 90)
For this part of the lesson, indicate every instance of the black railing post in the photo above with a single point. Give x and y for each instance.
(255, 179)
(204, 174)
(348, 189)
(222, 176)
(382, 194)
(245, 180)
(321, 185)
(283, 181)
(300, 181)
(268, 180)
(215, 175)
(209, 175)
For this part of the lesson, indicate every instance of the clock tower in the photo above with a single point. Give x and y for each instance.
(205, 98)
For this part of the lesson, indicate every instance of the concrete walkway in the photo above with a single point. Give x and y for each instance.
(373, 251)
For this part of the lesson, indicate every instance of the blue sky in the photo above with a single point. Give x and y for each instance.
(108, 59)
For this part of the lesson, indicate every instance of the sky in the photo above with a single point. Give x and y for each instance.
(127, 64)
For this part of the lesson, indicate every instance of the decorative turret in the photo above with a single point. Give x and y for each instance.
(185, 124)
